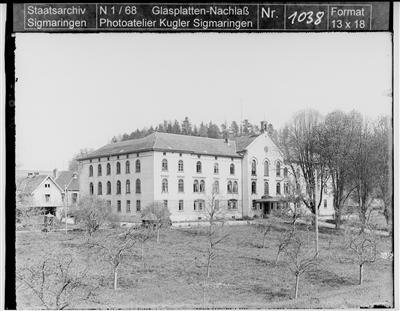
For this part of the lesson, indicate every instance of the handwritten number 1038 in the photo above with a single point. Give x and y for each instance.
(307, 16)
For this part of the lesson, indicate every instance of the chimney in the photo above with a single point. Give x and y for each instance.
(74, 175)
(30, 174)
(227, 141)
(36, 173)
(55, 173)
(264, 126)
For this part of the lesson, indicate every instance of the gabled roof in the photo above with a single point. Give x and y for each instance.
(65, 178)
(244, 141)
(31, 183)
(168, 142)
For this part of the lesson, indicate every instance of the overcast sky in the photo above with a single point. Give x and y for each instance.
(79, 90)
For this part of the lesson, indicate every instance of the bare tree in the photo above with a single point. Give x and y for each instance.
(214, 210)
(365, 170)
(300, 144)
(141, 235)
(284, 240)
(57, 281)
(73, 163)
(115, 249)
(338, 139)
(158, 215)
(265, 226)
(383, 133)
(93, 212)
(301, 258)
(361, 250)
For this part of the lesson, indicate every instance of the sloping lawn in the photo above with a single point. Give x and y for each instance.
(243, 275)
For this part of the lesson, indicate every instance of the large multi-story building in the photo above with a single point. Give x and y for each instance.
(183, 172)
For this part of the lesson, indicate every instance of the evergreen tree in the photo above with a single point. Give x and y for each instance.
(125, 137)
(234, 129)
(176, 128)
(213, 131)
(186, 127)
(224, 130)
(203, 130)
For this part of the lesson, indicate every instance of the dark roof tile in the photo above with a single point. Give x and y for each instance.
(165, 142)
(65, 178)
(29, 184)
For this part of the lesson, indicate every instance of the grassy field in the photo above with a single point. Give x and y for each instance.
(243, 275)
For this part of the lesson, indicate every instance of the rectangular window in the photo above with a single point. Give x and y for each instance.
(137, 205)
(325, 203)
(118, 206)
(108, 203)
(47, 198)
(128, 206)
(180, 205)
(165, 203)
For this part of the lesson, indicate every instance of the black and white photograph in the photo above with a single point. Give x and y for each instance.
(190, 168)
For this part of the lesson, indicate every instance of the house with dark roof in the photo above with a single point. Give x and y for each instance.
(248, 175)
(39, 191)
(68, 181)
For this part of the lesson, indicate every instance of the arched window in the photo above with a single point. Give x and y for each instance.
(164, 165)
(108, 187)
(198, 167)
(196, 186)
(99, 189)
(232, 204)
(229, 187)
(266, 168)
(91, 188)
(118, 168)
(118, 187)
(181, 185)
(164, 185)
(285, 188)
(90, 170)
(108, 169)
(253, 167)
(278, 188)
(216, 168)
(278, 169)
(285, 172)
(128, 186)
(235, 187)
(138, 190)
(180, 166)
(137, 166)
(127, 167)
(202, 186)
(216, 186)
(253, 187)
(99, 170)
(232, 169)
(266, 187)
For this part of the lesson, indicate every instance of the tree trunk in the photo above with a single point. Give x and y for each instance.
(296, 289)
(115, 278)
(338, 217)
(158, 235)
(316, 232)
(208, 263)
(361, 273)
